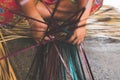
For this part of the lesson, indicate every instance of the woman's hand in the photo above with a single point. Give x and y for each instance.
(77, 36)
(38, 30)
(79, 33)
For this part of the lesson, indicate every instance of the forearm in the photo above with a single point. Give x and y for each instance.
(79, 33)
(88, 5)
(38, 28)
(29, 9)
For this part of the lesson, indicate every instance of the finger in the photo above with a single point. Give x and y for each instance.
(39, 29)
(47, 38)
(52, 37)
(71, 39)
(80, 41)
(75, 41)
(37, 40)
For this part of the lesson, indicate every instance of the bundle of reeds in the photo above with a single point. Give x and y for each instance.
(6, 70)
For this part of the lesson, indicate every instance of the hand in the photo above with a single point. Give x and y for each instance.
(78, 36)
(38, 30)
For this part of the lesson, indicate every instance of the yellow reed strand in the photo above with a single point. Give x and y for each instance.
(6, 70)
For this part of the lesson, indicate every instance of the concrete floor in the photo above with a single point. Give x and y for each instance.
(104, 57)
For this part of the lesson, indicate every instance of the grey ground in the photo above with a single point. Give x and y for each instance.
(104, 57)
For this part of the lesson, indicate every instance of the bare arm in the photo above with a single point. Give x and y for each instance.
(29, 8)
(88, 5)
(79, 33)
